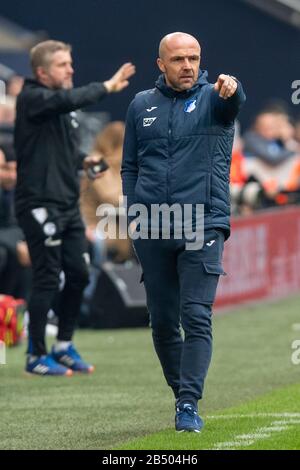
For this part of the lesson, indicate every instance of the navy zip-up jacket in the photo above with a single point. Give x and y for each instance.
(178, 147)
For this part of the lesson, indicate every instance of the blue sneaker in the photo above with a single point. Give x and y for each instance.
(45, 365)
(71, 358)
(187, 419)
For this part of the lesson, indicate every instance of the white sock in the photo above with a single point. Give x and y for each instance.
(61, 345)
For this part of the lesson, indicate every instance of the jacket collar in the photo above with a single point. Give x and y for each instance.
(171, 93)
(33, 82)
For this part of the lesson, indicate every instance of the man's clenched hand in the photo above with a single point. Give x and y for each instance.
(226, 86)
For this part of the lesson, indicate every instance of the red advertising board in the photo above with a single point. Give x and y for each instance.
(261, 258)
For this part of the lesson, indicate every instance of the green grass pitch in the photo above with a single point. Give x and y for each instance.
(252, 394)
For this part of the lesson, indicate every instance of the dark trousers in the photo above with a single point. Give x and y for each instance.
(55, 244)
(181, 286)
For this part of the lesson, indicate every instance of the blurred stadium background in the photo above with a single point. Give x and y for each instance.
(253, 368)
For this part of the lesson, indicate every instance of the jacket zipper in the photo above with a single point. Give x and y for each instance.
(170, 132)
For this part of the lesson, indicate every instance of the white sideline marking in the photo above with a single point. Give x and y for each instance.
(265, 432)
(227, 445)
(254, 436)
(272, 428)
(257, 415)
(290, 421)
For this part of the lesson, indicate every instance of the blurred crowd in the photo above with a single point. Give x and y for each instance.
(15, 273)
(265, 169)
(265, 172)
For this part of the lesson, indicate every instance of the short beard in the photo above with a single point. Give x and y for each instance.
(67, 86)
(178, 87)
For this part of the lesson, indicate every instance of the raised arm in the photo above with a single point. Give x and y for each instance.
(46, 102)
(228, 97)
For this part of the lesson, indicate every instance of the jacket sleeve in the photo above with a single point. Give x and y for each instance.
(129, 170)
(226, 111)
(45, 102)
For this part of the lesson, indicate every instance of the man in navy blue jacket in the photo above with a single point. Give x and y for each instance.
(177, 154)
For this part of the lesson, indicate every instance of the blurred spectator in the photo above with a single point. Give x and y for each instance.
(15, 273)
(273, 155)
(286, 132)
(265, 141)
(246, 195)
(8, 111)
(8, 107)
(238, 174)
(108, 189)
(14, 86)
(8, 115)
(297, 134)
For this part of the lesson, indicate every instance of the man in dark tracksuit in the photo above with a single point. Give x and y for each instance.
(47, 195)
(177, 150)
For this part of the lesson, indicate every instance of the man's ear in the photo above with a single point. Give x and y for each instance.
(161, 65)
(41, 73)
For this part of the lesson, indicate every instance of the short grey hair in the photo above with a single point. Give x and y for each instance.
(40, 55)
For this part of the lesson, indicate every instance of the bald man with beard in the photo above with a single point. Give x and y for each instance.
(177, 151)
